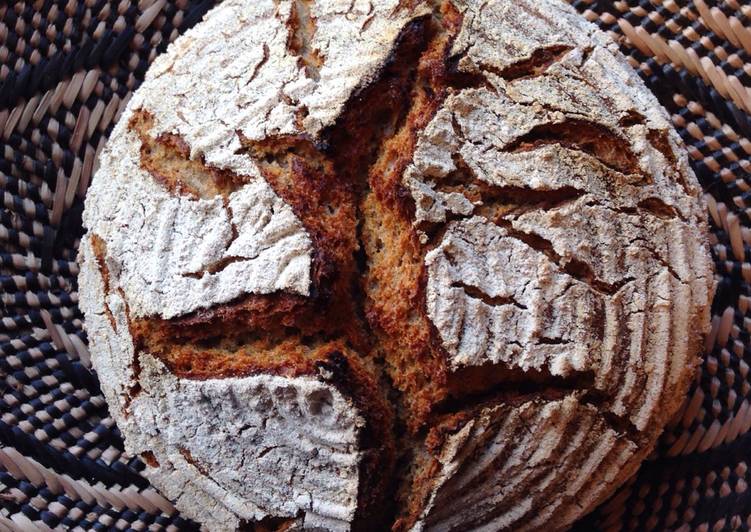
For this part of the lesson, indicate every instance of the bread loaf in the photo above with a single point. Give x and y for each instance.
(393, 264)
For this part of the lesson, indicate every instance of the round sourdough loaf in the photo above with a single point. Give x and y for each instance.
(372, 264)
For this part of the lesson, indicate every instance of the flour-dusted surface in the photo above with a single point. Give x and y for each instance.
(596, 264)
(560, 235)
(160, 244)
(484, 463)
(237, 72)
(505, 325)
(601, 230)
(273, 446)
(206, 90)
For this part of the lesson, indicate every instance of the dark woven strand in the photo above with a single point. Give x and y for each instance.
(67, 68)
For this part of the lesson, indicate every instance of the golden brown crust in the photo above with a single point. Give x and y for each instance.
(394, 305)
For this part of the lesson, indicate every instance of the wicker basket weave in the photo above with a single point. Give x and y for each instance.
(67, 68)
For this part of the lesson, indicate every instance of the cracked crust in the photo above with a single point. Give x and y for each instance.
(444, 249)
(566, 234)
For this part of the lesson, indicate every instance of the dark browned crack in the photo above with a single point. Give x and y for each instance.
(537, 199)
(665, 264)
(191, 460)
(579, 270)
(543, 340)
(150, 459)
(594, 139)
(134, 389)
(659, 138)
(302, 30)
(582, 271)
(536, 65)
(632, 118)
(493, 301)
(622, 424)
(510, 385)
(653, 205)
(260, 64)
(99, 248)
(658, 208)
(460, 79)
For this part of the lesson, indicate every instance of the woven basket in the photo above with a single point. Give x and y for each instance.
(67, 68)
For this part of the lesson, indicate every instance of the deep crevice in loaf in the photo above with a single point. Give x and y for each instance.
(302, 28)
(498, 383)
(576, 268)
(584, 136)
(359, 148)
(540, 60)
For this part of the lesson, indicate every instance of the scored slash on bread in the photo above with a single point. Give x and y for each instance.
(411, 265)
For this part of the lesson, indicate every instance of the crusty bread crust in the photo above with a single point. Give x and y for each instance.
(411, 264)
